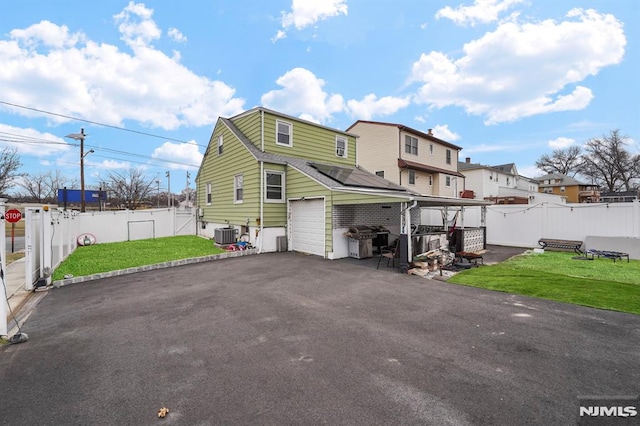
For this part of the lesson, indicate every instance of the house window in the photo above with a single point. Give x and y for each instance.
(431, 148)
(412, 177)
(448, 181)
(238, 186)
(430, 180)
(507, 181)
(283, 130)
(380, 173)
(341, 146)
(208, 194)
(562, 189)
(411, 145)
(220, 145)
(274, 183)
(448, 156)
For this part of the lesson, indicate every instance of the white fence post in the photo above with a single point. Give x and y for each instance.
(3, 252)
(636, 218)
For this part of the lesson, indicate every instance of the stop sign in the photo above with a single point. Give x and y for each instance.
(13, 216)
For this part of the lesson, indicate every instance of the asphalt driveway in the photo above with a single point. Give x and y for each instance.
(284, 338)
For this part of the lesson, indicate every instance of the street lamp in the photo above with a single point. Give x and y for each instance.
(80, 137)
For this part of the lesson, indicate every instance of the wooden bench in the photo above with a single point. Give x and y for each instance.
(561, 244)
(608, 254)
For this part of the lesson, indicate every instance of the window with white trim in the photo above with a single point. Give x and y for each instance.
(238, 187)
(209, 194)
(220, 145)
(448, 156)
(410, 145)
(448, 181)
(412, 177)
(274, 186)
(283, 133)
(341, 146)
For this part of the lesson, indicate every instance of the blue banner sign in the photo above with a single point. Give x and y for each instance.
(74, 196)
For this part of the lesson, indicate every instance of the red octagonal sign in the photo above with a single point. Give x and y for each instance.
(13, 216)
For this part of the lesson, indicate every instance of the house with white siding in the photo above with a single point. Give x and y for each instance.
(501, 184)
(408, 157)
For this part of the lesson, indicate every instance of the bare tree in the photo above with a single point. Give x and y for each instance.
(9, 165)
(129, 188)
(608, 162)
(43, 187)
(566, 161)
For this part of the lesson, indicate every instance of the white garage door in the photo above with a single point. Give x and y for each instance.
(307, 226)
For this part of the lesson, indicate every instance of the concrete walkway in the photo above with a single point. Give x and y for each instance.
(18, 296)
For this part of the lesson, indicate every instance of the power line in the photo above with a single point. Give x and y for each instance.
(96, 123)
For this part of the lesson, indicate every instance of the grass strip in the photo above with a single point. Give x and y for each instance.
(107, 257)
(596, 283)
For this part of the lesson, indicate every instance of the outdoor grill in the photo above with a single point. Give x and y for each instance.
(361, 241)
(361, 233)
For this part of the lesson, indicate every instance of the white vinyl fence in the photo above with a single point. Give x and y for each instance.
(522, 225)
(53, 235)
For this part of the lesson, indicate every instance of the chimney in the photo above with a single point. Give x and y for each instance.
(430, 132)
(467, 160)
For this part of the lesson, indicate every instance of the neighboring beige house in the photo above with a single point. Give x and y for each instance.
(408, 157)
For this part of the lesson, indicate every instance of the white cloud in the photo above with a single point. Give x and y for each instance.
(441, 131)
(530, 171)
(186, 153)
(33, 142)
(561, 143)
(482, 11)
(108, 165)
(521, 70)
(303, 95)
(176, 35)
(46, 66)
(305, 13)
(371, 106)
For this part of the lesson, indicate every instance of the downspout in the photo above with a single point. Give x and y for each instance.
(400, 157)
(407, 227)
(261, 224)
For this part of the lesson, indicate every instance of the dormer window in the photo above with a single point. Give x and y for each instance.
(341, 146)
(283, 133)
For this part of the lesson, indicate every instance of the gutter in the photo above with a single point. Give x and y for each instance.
(261, 224)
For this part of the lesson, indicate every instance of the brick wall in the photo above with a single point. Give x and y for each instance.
(368, 214)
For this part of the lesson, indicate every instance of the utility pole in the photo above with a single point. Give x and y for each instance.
(168, 188)
(158, 182)
(80, 137)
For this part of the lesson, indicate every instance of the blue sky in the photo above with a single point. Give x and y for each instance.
(507, 80)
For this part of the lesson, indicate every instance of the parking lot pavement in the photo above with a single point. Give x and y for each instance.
(284, 338)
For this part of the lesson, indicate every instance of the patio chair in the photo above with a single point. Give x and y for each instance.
(390, 253)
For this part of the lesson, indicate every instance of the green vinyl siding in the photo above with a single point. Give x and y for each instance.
(340, 198)
(308, 141)
(220, 172)
(250, 126)
(275, 213)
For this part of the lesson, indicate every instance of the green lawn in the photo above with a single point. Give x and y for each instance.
(598, 283)
(114, 256)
